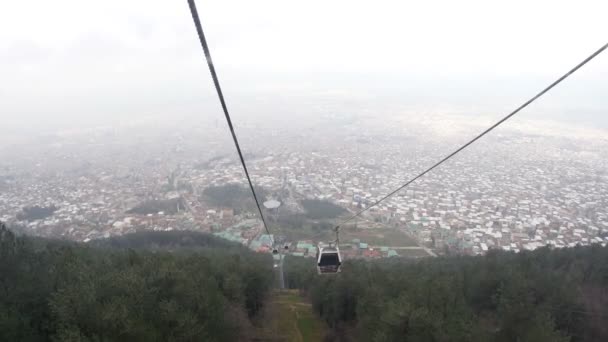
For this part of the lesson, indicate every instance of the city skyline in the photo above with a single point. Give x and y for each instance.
(515, 190)
(111, 129)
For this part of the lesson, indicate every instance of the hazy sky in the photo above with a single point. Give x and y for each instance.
(80, 60)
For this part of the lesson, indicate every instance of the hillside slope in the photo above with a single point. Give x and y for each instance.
(171, 240)
(56, 291)
(290, 318)
(184, 286)
(545, 295)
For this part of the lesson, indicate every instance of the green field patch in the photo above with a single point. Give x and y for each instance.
(377, 237)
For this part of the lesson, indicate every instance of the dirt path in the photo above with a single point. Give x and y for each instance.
(290, 318)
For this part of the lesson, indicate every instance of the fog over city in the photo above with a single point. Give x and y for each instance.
(110, 122)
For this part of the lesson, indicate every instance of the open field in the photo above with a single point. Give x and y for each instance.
(378, 237)
(304, 233)
(374, 236)
(412, 253)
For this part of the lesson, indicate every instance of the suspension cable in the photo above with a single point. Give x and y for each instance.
(216, 82)
(534, 98)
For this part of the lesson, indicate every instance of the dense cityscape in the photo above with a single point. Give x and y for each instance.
(513, 191)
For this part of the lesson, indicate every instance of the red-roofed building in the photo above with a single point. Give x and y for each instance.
(371, 253)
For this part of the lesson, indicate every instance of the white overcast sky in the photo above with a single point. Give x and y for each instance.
(81, 59)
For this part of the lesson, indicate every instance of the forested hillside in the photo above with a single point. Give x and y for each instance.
(171, 240)
(184, 286)
(58, 291)
(545, 295)
(232, 196)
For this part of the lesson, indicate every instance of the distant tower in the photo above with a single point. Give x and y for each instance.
(272, 207)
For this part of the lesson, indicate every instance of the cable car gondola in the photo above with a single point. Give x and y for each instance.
(328, 260)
